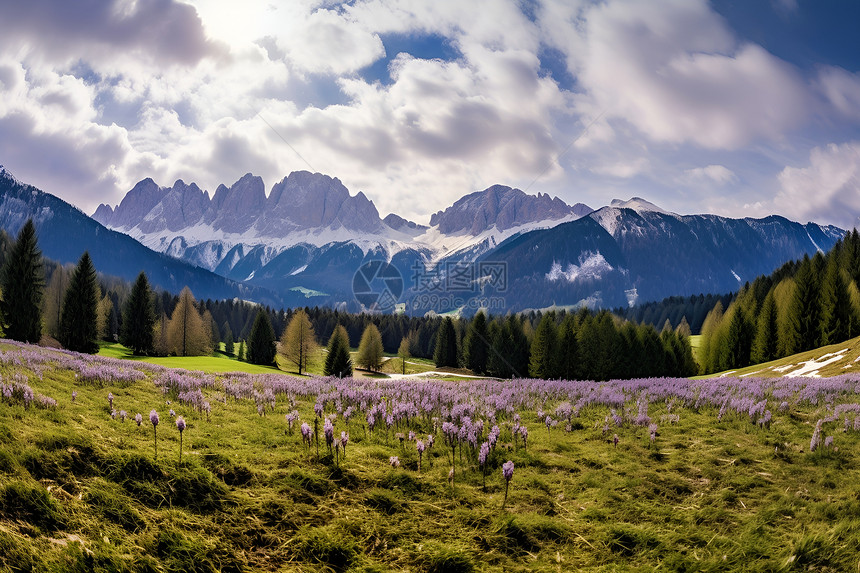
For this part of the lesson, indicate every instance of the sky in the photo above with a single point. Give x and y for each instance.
(733, 107)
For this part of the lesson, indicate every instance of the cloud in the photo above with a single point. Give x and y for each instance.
(719, 174)
(162, 31)
(675, 72)
(827, 190)
(842, 90)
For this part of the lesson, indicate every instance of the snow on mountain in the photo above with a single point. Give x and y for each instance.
(638, 204)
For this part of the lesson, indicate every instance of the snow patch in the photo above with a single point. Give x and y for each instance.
(737, 278)
(591, 266)
(811, 240)
(810, 368)
(298, 270)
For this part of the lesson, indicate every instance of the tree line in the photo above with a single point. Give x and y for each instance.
(803, 305)
(78, 309)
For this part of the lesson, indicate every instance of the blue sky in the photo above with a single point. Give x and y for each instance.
(740, 108)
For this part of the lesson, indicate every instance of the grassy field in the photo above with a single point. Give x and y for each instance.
(217, 363)
(80, 491)
(833, 360)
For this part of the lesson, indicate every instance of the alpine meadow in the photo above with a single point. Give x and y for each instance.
(381, 286)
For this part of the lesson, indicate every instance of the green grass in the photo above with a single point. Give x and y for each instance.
(216, 363)
(845, 355)
(82, 492)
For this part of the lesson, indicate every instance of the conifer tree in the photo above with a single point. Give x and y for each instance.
(764, 348)
(298, 343)
(22, 284)
(370, 351)
(708, 348)
(806, 306)
(519, 350)
(736, 341)
(567, 353)
(139, 318)
(187, 334)
(261, 341)
(788, 327)
(835, 304)
(242, 352)
(403, 354)
(52, 303)
(476, 345)
(338, 361)
(683, 328)
(544, 350)
(79, 319)
(229, 344)
(445, 352)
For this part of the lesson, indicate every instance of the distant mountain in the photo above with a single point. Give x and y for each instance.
(617, 256)
(307, 239)
(504, 208)
(64, 233)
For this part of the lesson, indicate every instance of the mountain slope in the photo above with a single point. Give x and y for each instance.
(64, 233)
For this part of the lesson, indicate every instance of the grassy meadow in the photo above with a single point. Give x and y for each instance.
(700, 488)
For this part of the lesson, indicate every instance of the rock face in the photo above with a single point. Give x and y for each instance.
(301, 201)
(503, 207)
(398, 223)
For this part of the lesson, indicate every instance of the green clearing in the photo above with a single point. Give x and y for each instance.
(80, 491)
(217, 363)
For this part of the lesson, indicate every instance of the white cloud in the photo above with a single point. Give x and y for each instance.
(675, 72)
(842, 90)
(719, 174)
(827, 190)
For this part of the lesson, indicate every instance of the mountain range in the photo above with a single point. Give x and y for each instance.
(304, 242)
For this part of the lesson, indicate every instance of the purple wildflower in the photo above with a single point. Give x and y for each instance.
(110, 400)
(328, 430)
(828, 442)
(508, 473)
(122, 415)
(615, 440)
(180, 425)
(138, 418)
(394, 461)
(153, 417)
(74, 395)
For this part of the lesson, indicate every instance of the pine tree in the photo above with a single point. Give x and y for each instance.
(138, 322)
(298, 343)
(243, 356)
(52, 305)
(229, 344)
(683, 328)
(403, 354)
(737, 340)
(806, 306)
(445, 352)
(338, 361)
(544, 350)
(764, 346)
(187, 334)
(567, 353)
(22, 284)
(261, 341)
(79, 320)
(370, 349)
(476, 345)
(835, 305)
(788, 326)
(708, 347)
(519, 350)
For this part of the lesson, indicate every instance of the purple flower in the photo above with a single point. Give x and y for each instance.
(344, 439)
(328, 430)
(615, 440)
(113, 414)
(828, 442)
(110, 399)
(172, 413)
(419, 445)
(74, 395)
(180, 424)
(431, 440)
(411, 435)
(138, 418)
(508, 470)
(394, 461)
(122, 415)
(153, 417)
(483, 454)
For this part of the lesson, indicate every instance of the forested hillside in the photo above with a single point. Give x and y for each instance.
(803, 305)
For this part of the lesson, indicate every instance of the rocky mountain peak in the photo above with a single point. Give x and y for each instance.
(504, 208)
